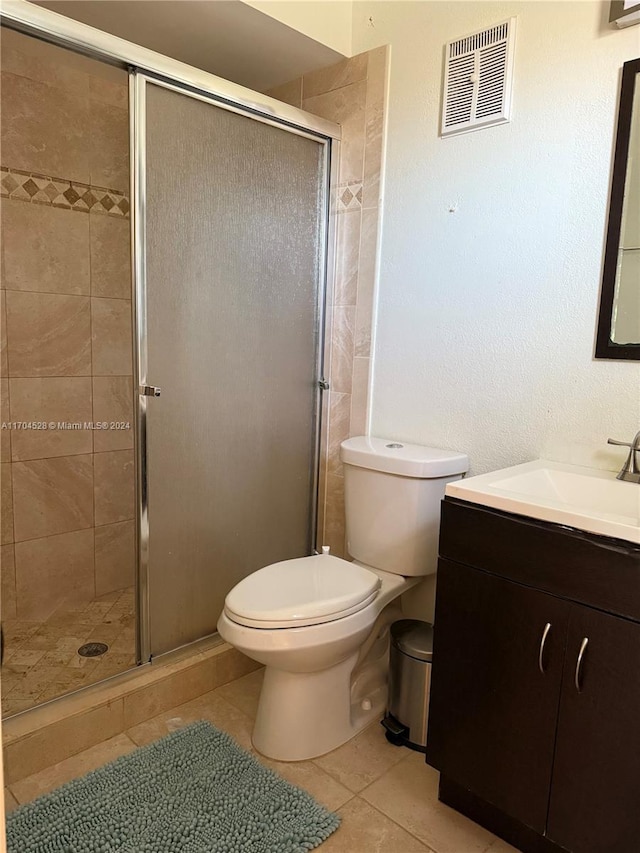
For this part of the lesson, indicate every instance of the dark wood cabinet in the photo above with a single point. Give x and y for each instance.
(595, 789)
(543, 751)
(494, 706)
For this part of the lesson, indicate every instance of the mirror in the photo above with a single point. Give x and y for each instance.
(619, 320)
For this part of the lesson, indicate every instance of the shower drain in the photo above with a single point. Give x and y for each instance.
(92, 650)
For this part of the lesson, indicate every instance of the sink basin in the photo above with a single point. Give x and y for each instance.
(585, 498)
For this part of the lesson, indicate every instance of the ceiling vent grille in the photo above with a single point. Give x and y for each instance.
(477, 79)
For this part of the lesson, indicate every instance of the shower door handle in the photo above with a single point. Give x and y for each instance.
(149, 391)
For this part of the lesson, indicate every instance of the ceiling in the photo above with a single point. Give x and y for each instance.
(225, 37)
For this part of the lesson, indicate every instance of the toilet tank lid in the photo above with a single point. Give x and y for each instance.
(396, 457)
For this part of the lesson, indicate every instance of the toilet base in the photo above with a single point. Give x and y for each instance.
(304, 715)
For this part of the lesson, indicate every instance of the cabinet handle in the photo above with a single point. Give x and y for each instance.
(547, 628)
(576, 678)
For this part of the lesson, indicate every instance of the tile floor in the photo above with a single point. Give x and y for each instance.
(386, 796)
(41, 659)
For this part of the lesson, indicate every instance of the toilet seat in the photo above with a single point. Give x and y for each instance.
(300, 592)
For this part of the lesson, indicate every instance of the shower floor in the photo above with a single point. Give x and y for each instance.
(41, 659)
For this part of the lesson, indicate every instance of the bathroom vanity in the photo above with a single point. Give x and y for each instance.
(534, 719)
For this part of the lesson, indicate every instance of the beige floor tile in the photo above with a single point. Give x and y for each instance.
(365, 830)
(34, 682)
(52, 777)
(309, 777)
(209, 707)
(10, 802)
(244, 693)
(51, 647)
(361, 760)
(15, 706)
(25, 656)
(500, 846)
(408, 794)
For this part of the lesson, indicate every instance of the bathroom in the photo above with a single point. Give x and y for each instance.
(463, 316)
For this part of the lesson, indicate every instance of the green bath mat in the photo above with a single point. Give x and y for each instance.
(194, 791)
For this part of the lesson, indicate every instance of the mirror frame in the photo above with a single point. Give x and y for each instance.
(605, 346)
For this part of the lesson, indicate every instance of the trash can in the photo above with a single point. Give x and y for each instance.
(409, 680)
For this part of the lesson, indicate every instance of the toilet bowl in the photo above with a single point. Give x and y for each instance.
(320, 624)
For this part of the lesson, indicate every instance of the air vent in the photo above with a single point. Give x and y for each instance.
(477, 80)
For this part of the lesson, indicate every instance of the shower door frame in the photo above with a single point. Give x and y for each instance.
(138, 82)
(144, 66)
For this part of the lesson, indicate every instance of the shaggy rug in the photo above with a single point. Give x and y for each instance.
(194, 791)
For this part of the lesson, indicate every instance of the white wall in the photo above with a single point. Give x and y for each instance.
(326, 21)
(487, 316)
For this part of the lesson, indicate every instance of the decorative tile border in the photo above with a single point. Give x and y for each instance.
(58, 192)
(349, 197)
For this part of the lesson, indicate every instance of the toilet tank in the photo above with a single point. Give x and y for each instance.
(392, 502)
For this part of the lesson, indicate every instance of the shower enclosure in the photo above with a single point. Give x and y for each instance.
(162, 418)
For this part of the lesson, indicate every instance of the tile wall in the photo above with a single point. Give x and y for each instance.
(67, 494)
(351, 93)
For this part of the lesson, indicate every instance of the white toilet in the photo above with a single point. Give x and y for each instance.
(320, 624)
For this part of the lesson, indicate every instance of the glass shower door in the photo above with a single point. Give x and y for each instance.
(235, 212)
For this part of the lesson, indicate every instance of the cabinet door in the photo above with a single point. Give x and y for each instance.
(494, 700)
(595, 792)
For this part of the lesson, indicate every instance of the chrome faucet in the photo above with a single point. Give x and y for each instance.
(630, 470)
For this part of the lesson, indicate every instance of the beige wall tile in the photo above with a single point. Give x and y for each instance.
(46, 249)
(96, 756)
(233, 664)
(348, 249)
(45, 128)
(111, 337)
(342, 348)
(60, 740)
(113, 403)
(4, 368)
(377, 73)
(5, 417)
(366, 283)
(110, 256)
(363, 828)
(347, 107)
(376, 96)
(52, 496)
(109, 146)
(51, 400)
(8, 579)
(336, 76)
(30, 57)
(288, 93)
(52, 571)
(174, 690)
(334, 532)
(113, 90)
(371, 191)
(339, 414)
(360, 397)
(48, 335)
(115, 556)
(6, 504)
(408, 794)
(114, 486)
